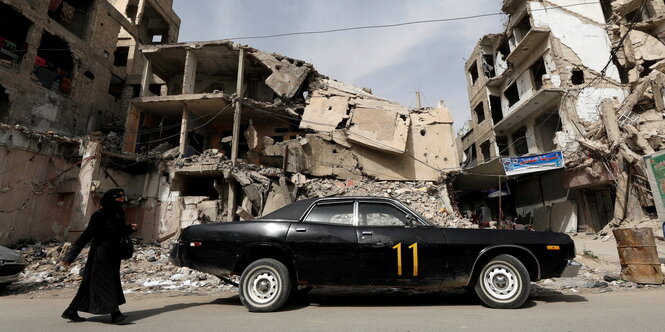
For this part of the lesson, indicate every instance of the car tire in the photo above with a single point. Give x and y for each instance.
(503, 283)
(265, 285)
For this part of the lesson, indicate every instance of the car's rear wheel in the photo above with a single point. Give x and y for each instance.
(265, 285)
(503, 283)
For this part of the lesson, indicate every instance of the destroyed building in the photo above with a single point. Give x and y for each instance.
(66, 70)
(179, 151)
(542, 93)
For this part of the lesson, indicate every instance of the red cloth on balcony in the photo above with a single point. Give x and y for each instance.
(54, 5)
(65, 85)
(40, 62)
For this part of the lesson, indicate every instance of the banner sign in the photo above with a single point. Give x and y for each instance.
(655, 164)
(532, 164)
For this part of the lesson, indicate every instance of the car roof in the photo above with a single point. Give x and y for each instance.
(295, 211)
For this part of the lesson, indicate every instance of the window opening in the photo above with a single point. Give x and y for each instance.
(538, 70)
(116, 87)
(512, 94)
(54, 64)
(473, 72)
(495, 107)
(485, 150)
(488, 65)
(4, 103)
(121, 56)
(519, 141)
(14, 29)
(502, 145)
(71, 14)
(479, 110)
(577, 77)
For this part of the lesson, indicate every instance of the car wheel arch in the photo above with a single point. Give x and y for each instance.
(523, 254)
(258, 251)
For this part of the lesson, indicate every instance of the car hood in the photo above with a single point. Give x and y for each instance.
(9, 254)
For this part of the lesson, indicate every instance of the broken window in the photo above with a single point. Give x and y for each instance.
(512, 94)
(473, 72)
(14, 29)
(121, 56)
(538, 70)
(521, 29)
(485, 150)
(4, 103)
(519, 141)
(54, 65)
(116, 87)
(488, 65)
(548, 125)
(131, 10)
(156, 89)
(153, 29)
(577, 77)
(194, 185)
(471, 157)
(495, 107)
(72, 14)
(479, 110)
(502, 146)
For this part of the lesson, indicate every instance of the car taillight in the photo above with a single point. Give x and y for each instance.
(195, 244)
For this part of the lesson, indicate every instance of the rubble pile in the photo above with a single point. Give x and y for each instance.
(616, 144)
(148, 271)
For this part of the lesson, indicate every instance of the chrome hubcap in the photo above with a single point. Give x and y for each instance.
(501, 281)
(263, 285)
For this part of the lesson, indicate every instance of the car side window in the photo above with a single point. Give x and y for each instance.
(335, 213)
(381, 214)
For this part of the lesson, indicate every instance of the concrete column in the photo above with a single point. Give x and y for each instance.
(531, 140)
(83, 203)
(511, 145)
(146, 79)
(184, 128)
(139, 12)
(131, 129)
(189, 76)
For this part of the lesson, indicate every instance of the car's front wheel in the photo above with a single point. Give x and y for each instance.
(265, 285)
(503, 283)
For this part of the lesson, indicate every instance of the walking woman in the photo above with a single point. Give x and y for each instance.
(100, 291)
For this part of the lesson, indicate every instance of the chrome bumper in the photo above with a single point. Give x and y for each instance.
(571, 269)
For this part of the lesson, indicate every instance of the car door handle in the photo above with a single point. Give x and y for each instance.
(366, 233)
(301, 230)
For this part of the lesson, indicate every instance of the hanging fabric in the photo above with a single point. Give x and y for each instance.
(54, 5)
(41, 62)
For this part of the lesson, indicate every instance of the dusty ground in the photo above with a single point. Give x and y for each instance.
(150, 274)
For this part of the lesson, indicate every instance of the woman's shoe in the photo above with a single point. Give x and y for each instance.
(117, 317)
(72, 316)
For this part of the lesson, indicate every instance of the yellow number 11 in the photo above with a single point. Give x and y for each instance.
(399, 258)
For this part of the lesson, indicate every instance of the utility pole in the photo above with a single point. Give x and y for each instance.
(418, 106)
(231, 203)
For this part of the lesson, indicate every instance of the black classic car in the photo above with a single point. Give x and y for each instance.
(370, 241)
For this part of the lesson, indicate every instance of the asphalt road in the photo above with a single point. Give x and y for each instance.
(640, 310)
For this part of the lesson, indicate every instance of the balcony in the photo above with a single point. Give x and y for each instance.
(529, 108)
(525, 48)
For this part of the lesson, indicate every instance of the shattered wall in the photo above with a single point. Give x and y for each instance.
(37, 185)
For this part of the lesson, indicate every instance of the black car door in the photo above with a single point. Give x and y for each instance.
(325, 244)
(394, 248)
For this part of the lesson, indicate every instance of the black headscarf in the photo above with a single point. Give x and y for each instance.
(109, 203)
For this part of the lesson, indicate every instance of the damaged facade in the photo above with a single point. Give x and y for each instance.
(576, 79)
(199, 132)
(64, 74)
(294, 125)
